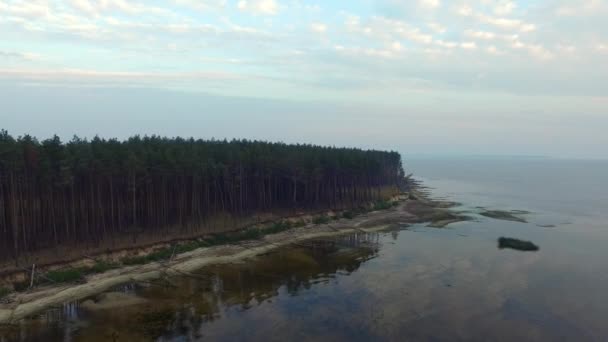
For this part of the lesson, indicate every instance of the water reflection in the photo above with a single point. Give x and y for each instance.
(414, 284)
(179, 308)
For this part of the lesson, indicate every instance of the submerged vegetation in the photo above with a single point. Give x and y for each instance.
(443, 218)
(87, 193)
(516, 244)
(505, 215)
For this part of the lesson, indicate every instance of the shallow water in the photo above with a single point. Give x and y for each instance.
(416, 283)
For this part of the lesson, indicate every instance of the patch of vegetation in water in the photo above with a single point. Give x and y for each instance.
(505, 215)
(517, 244)
(442, 218)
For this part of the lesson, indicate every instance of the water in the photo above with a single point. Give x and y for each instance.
(417, 283)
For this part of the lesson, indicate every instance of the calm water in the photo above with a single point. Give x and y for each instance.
(416, 283)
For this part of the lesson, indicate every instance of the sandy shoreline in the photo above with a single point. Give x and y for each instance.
(415, 209)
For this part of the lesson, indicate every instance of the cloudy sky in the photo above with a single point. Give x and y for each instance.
(419, 76)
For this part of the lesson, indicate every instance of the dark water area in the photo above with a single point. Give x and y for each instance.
(413, 283)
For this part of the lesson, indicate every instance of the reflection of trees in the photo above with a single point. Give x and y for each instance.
(242, 286)
(205, 296)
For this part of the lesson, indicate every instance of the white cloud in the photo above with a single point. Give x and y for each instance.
(92, 7)
(27, 9)
(396, 46)
(429, 4)
(583, 8)
(444, 44)
(539, 52)
(500, 22)
(318, 27)
(389, 29)
(262, 7)
(493, 50)
(480, 34)
(366, 52)
(437, 27)
(25, 56)
(468, 45)
(202, 5)
(505, 8)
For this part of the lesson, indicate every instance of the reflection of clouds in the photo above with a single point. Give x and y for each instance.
(425, 285)
(453, 286)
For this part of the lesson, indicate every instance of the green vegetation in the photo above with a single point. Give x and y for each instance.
(321, 219)
(162, 254)
(383, 205)
(21, 286)
(100, 267)
(4, 292)
(60, 195)
(299, 223)
(65, 276)
(159, 255)
(516, 244)
(349, 215)
(213, 240)
(441, 218)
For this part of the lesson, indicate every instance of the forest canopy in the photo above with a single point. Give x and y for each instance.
(55, 194)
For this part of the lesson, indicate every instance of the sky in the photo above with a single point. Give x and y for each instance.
(424, 77)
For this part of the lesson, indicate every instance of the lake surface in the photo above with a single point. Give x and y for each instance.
(413, 283)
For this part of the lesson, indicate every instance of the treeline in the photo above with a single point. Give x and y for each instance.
(85, 192)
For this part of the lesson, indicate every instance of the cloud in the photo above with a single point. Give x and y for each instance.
(27, 9)
(500, 22)
(104, 6)
(583, 8)
(260, 7)
(468, 45)
(429, 4)
(386, 29)
(505, 8)
(438, 28)
(202, 5)
(318, 27)
(23, 56)
(480, 34)
(493, 50)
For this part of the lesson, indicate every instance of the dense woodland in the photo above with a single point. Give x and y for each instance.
(55, 194)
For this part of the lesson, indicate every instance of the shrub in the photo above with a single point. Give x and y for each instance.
(277, 227)
(349, 215)
(323, 219)
(382, 205)
(299, 223)
(21, 286)
(159, 255)
(65, 276)
(101, 266)
(4, 292)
